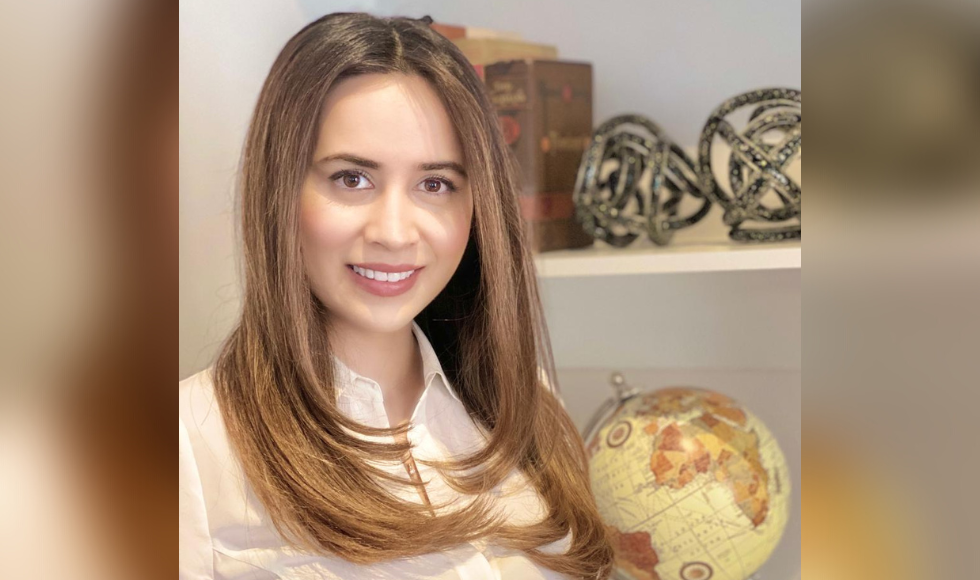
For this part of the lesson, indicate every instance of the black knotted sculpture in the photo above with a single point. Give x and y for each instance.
(632, 180)
(762, 202)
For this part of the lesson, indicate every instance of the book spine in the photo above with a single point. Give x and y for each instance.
(509, 86)
(544, 108)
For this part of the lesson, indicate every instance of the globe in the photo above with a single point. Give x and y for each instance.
(690, 484)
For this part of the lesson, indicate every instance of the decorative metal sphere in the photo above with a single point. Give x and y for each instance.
(758, 187)
(631, 181)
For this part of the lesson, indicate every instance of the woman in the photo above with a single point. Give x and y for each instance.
(359, 427)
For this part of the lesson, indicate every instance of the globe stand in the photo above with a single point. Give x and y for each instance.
(623, 392)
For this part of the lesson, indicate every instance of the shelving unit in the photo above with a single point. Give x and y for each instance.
(703, 311)
(691, 257)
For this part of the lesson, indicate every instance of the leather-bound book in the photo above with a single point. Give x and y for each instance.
(545, 111)
(487, 50)
(450, 31)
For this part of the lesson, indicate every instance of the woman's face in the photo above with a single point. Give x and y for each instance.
(386, 186)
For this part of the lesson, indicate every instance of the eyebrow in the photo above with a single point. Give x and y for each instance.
(452, 165)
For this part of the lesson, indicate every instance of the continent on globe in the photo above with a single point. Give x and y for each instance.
(679, 400)
(635, 552)
(707, 444)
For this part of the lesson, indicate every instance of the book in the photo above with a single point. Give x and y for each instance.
(545, 111)
(454, 31)
(477, 32)
(487, 50)
(450, 31)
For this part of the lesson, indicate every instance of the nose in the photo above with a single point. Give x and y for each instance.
(392, 221)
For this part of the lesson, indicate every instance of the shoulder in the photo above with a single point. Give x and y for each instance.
(195, 400)
(196, 405)
(202, 429)
(209, 469)
(195, 390)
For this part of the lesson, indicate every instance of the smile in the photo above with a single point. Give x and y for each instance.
(382, 276)
(384, 284)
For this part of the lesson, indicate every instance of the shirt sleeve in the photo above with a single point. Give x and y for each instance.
(195, 556)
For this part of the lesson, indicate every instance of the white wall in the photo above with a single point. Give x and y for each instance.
(671, 60)
(226, 49)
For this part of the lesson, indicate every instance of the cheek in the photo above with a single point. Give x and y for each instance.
(324, 233)
(455, 235)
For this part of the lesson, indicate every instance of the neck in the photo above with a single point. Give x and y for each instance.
(392, 359)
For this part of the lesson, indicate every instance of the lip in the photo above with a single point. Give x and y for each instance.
(386, 289)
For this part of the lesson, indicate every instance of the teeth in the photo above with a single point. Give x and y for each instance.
(382, 276)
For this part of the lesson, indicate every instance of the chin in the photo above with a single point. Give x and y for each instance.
(382, 320)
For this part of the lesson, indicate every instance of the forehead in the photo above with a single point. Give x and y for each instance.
(389, 118)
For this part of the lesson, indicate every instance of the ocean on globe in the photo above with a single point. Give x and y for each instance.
(691, 485)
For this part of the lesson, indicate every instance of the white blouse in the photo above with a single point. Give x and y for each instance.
(226, 533)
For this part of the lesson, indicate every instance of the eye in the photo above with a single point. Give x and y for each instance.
(436, 181)
(350, 178)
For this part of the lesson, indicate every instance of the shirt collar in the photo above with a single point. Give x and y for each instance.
(431, 367)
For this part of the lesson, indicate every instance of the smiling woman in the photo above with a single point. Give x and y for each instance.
(386, 209)
(386, 406)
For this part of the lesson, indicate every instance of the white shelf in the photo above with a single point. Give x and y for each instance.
(680, 257)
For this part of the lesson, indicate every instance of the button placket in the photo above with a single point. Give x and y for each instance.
(413, 473)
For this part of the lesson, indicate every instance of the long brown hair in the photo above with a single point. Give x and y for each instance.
(274, 378)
